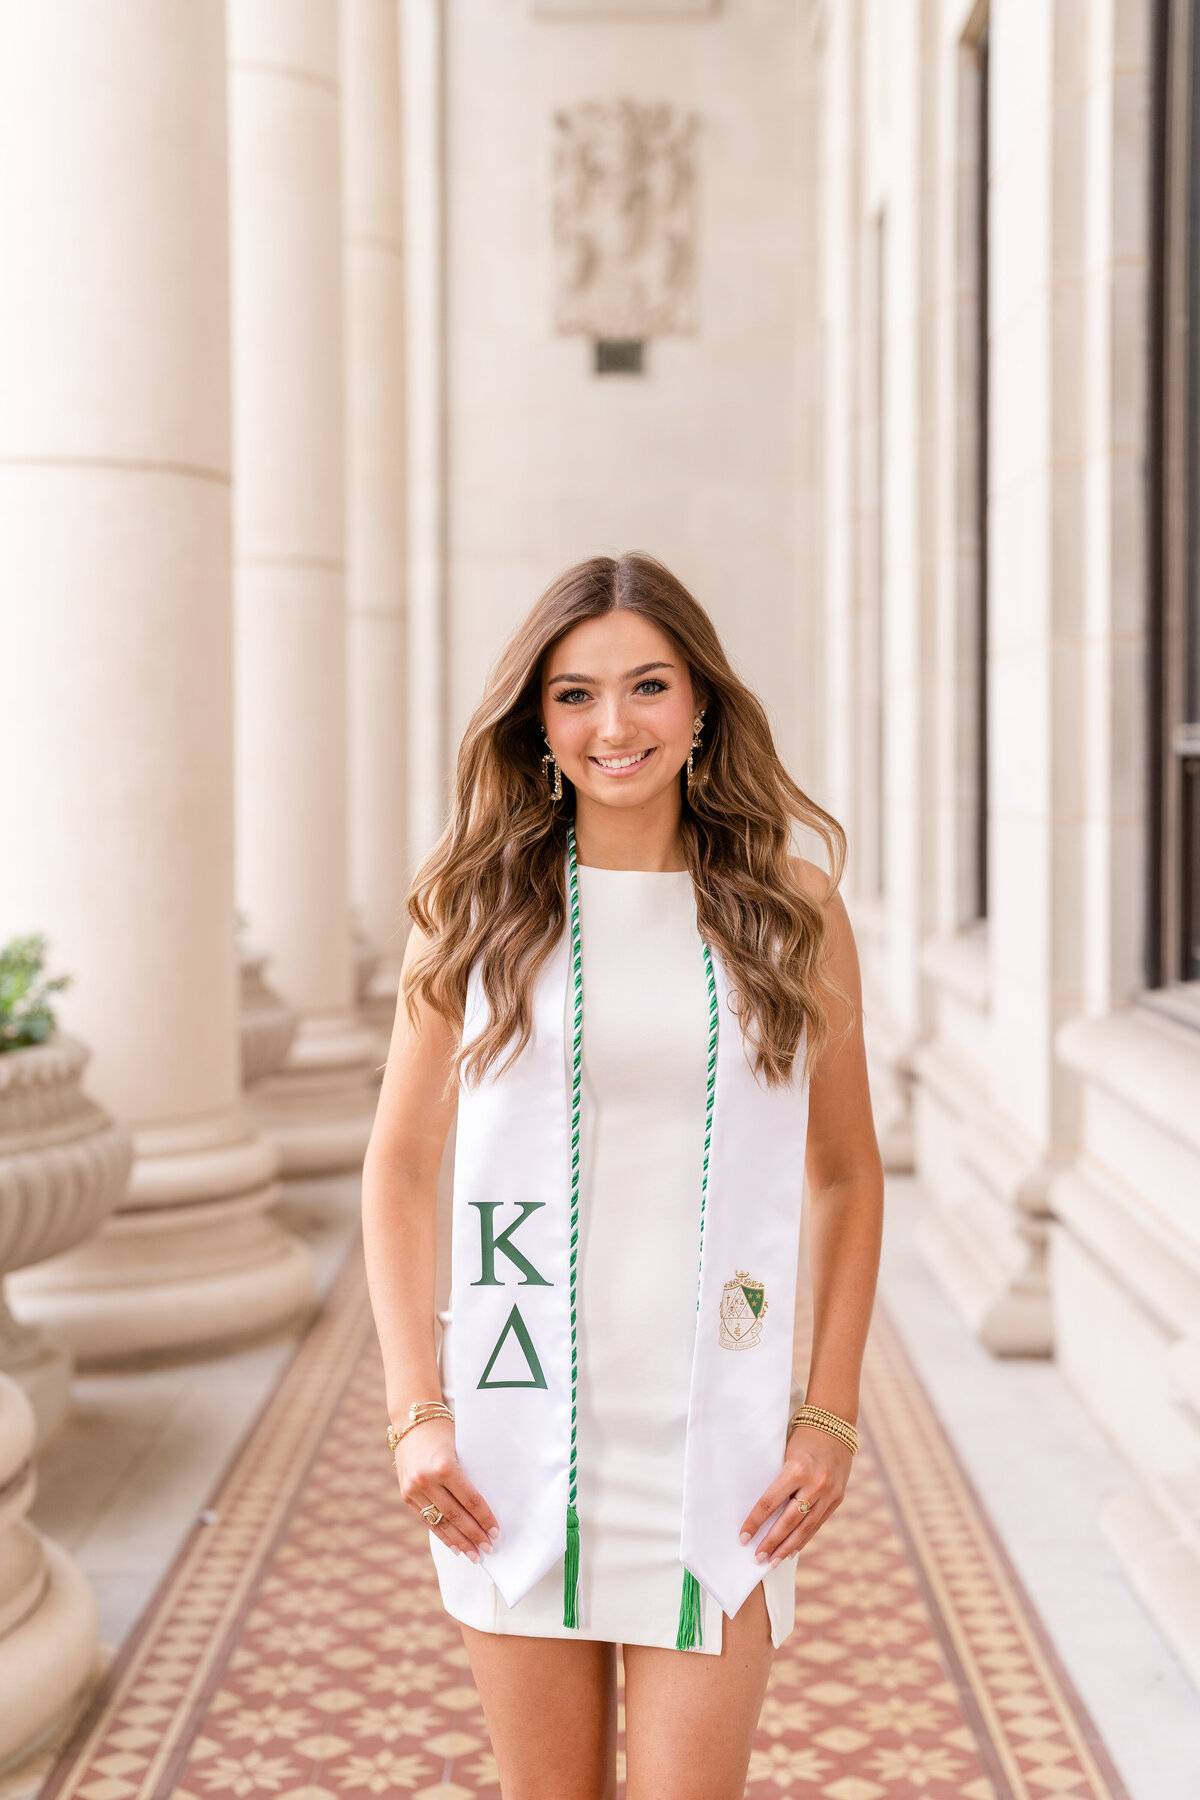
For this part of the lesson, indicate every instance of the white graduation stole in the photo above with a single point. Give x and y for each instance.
(511, 1337)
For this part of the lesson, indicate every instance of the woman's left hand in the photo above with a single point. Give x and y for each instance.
(816, 1468)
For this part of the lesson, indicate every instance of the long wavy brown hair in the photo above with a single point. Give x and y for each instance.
(494, 885)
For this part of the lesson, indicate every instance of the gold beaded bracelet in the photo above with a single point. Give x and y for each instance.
(821, 1420)
(816, 1416)
(839, 1428)
(418, 1413)
(841, 1436)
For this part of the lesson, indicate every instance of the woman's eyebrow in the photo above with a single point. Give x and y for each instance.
(629, 674)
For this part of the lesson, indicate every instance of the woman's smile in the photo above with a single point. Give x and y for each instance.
(622, 765)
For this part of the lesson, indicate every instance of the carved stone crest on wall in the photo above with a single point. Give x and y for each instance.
(624, 204)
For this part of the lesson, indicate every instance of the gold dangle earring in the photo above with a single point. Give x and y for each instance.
(546, 761)
(697, 722)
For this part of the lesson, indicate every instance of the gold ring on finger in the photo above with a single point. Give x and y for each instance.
(804, 1505)
(432, 1515)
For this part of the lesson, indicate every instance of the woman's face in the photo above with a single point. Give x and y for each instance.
(618, 706)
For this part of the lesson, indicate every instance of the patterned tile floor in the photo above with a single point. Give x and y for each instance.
(297, 1647)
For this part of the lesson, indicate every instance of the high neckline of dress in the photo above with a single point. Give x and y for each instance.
(595, 869)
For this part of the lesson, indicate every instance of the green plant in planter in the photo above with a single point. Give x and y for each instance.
(26, 1016)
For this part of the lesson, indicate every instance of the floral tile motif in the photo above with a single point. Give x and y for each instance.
(297, 1648)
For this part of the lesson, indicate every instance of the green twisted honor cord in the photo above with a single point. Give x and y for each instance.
(690, 1630)
(571, 1562)
(691, 1622)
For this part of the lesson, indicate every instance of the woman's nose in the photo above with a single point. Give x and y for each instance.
(614, 723)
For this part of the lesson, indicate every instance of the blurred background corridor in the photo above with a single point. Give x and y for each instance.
(330, 330)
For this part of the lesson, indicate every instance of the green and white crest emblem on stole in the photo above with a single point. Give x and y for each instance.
(743, 1303)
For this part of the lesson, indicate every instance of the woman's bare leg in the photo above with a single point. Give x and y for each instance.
(551, 1710)
(689, 1719)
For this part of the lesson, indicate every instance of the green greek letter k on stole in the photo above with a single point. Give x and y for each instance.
(512, 1338)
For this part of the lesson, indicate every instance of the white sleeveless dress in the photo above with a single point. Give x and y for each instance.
(645, 1066)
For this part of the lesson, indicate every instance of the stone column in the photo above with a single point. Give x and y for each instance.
(1125, 1236)
(372, 251)
(841, 201)
(998, 1113)
(116, 806)
(423, 76)
(854, 160)
(289, 532)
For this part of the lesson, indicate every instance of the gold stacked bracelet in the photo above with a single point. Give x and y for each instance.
(821, 1420)
(418, 1413)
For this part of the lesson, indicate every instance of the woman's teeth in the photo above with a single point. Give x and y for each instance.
(619, 762)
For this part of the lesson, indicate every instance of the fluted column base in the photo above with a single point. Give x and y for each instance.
(984, 1217)
(318, 1109)
(890, 1068)
(48, 1622)
(992, 1267)
(378, 1004)
(40, 1368)
(266, 1023)
(193, 1260)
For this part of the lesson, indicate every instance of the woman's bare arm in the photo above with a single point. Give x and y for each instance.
(399, 1220)
(844, 1173)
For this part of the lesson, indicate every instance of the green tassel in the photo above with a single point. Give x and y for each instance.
(691, 1618)
(571, 1571)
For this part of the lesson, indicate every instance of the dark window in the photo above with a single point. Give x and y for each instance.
(1173, 913)
(873, 636)
(981, 479)
(619, 356)
(971, 472)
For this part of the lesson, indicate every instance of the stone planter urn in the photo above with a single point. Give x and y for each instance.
(266, 1023)
(48, 1622)
(64, 1165)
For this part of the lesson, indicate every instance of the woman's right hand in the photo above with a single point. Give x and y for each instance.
(429, 1471)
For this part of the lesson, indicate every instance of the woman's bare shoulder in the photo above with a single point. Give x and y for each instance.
(812, 878)
(841, 952)
(429, 1031)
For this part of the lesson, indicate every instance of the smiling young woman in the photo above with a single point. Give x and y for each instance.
(641, 1012)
